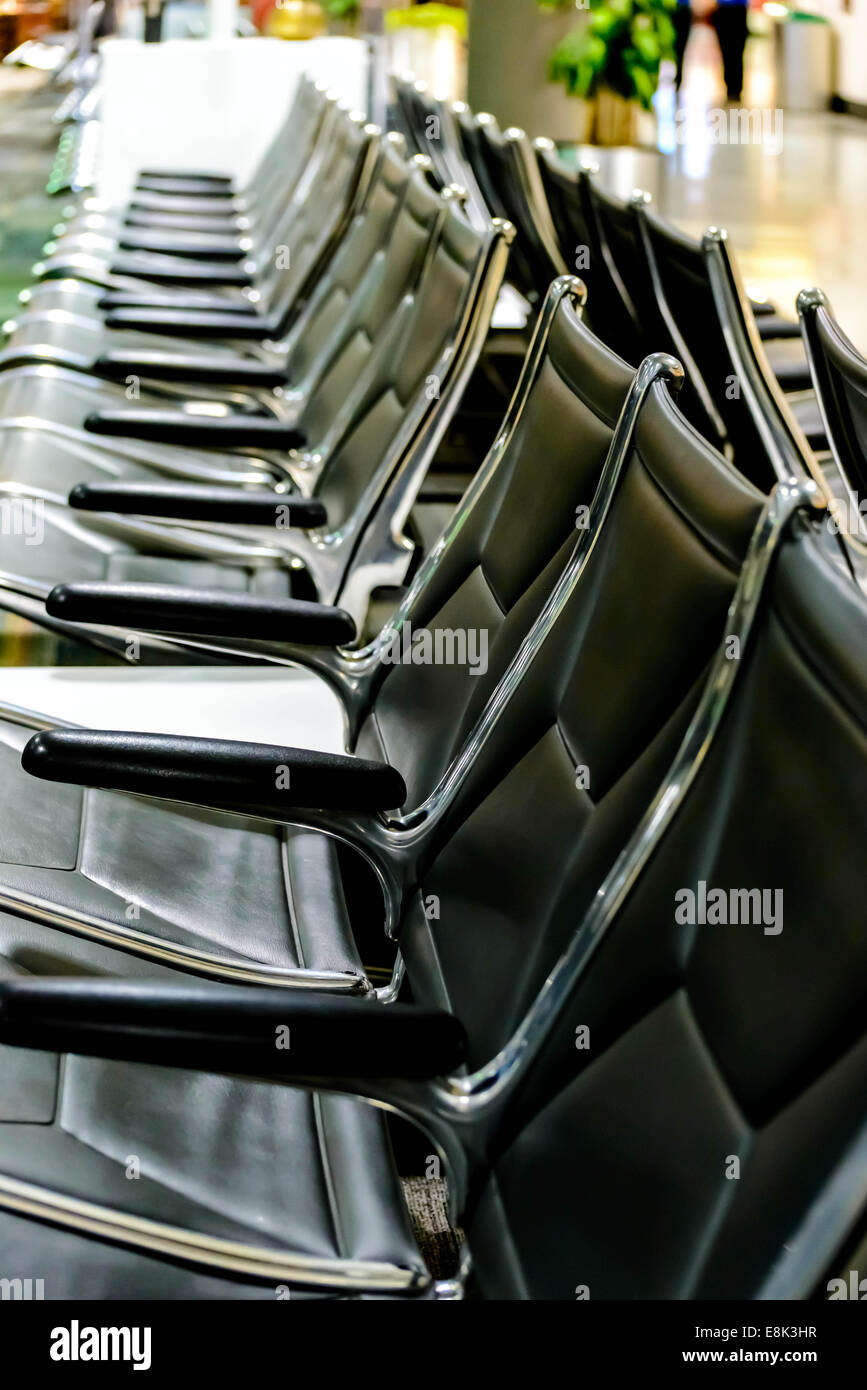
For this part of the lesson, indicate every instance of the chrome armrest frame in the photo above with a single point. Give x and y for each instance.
(788, 451)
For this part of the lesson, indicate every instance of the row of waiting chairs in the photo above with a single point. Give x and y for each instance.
(577, 916)
(748, 385)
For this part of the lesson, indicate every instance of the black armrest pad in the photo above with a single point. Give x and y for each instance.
(167, 366)
(199, 502)
(184, 187)
(186, 300)
(180, 222)
(772, 326)
(220, 205)
(200, 176)
(186, 324)
(180, 244)
(209, 612)
(793, 376)
(201, 431)
(190, 273)
(258, 778)
(246, 1030)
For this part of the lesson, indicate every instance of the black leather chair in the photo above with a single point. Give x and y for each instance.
(839, 375)
(432, 128)
(509, 159)
(584, 212)
(701, 288)
(613, 316)
(481, 158)
(729, 1053)
(653, 283)
(412, 117)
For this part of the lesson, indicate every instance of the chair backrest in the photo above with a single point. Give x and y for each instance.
(283, 161)
(462, 171)
(403, 399)
(577, 754)
(701, 288)
(515, 519)
(511, 164)
(325, 199)
(574, 215)
(479, 156)
(434, 123)
(423, 135)
(623, 246)
(377, 261)
(839, 375)
(704, 1086)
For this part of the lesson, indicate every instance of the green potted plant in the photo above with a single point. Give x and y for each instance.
(613, 59)
(343, 15)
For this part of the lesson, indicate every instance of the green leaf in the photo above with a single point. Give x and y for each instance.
(620, 46)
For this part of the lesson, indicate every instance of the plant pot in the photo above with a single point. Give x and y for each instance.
(616, 119)
(296, 19)
(583, 124)
(345, 28)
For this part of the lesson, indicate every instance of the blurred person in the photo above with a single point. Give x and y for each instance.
(682, 21)
(729, 20)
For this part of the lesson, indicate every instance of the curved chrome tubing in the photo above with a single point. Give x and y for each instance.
(259, 1263)
(788, 451)
(827, 1223)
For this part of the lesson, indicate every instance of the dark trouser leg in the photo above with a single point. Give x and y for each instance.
(682, 19)
(730, 23)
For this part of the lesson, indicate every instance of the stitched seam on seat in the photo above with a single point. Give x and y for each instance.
(610, 421)
(504, 608)
(290, 900)
(574, 760)
(726, 1198)
(203, 1204)
(325, 1166)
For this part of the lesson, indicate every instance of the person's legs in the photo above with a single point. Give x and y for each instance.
(682, 19)
(730, 23)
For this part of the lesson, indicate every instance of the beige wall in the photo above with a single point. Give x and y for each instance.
(510, 44)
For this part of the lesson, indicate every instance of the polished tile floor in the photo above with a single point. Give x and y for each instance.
(795, 206)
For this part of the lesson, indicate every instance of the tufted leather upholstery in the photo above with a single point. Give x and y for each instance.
(716, 1041)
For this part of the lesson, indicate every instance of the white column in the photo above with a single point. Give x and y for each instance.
(223, 16)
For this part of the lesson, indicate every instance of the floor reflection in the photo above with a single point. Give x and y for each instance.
(794, 204)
